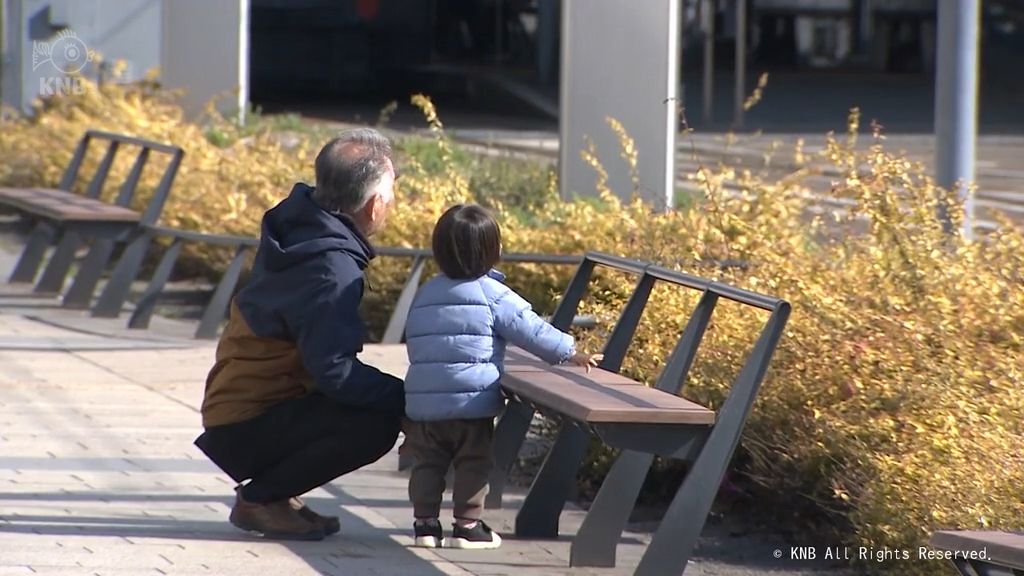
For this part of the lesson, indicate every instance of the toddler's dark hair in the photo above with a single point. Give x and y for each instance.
(466, 242)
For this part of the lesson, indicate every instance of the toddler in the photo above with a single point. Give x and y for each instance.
(456, 333)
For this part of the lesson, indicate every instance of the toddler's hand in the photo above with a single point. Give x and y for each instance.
(588, 361)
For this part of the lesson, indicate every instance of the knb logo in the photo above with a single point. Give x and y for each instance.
(67, 55)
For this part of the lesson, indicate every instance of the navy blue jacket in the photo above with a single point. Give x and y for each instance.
(295, 326)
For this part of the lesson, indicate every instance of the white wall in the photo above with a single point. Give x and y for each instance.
(126, 30)
(10, 55)
(620, 59)
(206, 52)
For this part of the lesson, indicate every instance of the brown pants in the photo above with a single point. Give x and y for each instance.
(466, 444)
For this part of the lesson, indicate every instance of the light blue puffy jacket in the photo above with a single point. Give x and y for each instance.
(456, 335)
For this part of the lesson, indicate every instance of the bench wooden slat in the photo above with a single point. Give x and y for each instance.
(63, 206)
(598, 397)
(586, 398)
(519, 362)
(1003, 548)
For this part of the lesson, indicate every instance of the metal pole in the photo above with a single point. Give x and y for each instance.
(244, 43)
(564, 65)
(547, 39)
(498, 26)
(675, 46)
(741, 60)
(956, 110)
(864, 23)
(707, 8)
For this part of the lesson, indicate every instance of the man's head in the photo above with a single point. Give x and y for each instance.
(355, 176)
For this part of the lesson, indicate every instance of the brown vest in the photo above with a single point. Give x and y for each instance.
(252, 374)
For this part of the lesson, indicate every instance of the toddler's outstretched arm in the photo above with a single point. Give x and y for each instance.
(515, 321)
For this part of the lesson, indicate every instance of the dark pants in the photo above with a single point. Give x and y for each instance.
(299, 445)
(462, 444)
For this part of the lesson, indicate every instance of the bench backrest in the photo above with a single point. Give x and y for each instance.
(126, 193)
(673, 375)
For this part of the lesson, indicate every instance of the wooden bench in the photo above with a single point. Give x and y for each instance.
(643, 422)
(981, 553)
(67, 218)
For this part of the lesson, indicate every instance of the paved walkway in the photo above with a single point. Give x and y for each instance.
(98, 474)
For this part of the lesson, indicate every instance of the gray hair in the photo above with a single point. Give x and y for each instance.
(348, 167)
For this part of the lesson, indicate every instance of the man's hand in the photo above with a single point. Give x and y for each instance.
(588, 361)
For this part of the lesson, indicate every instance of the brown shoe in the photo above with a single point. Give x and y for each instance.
(275, 520)
(329, 524)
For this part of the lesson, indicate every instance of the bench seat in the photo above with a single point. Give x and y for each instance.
(65, 207)
(598, 397)
(1001, 549)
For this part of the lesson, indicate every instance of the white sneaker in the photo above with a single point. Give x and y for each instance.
(428, 534)
(479, 537)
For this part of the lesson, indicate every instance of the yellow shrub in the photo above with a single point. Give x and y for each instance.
(895, 396)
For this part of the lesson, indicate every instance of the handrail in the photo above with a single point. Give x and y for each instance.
(516, 257)
(116, 293)
(733, 293)
(135, 141)
(216, 239)
(114, 296)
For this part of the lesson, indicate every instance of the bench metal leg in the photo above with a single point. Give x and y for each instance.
(964, 568)
(675, 538)
(977, 568)
(79, 296)
(538, 518)
(115, 293)
(217, 309)
(31, 258)
(673, 542)
(595, 543)
(147, 303)
(509, 435)
(56, 271)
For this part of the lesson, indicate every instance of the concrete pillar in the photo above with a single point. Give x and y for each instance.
(206, 53)
(956, 102)
(620, 60)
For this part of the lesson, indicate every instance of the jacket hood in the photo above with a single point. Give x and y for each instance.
(298, 229)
